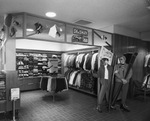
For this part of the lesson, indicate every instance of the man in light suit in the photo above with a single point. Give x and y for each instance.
(120, 73)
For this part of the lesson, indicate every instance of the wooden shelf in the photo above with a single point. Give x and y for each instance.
(29, 83)
(4, 100)
(10, 82)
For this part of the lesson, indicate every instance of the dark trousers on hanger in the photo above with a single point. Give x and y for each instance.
(123, 92)
(104, 89)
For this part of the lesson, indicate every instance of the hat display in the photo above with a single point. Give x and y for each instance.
(54, 56)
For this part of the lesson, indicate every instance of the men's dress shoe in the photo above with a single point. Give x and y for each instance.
(112, 107)
(99, 109)
(124, 107)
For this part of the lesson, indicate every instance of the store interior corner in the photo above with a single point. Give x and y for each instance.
(53, 72)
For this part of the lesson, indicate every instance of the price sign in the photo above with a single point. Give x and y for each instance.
(15, 93)
(78, 38)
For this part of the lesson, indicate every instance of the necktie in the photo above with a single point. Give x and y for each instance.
(106, 72)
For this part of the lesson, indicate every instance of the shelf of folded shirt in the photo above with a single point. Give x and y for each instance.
(54, 84)
(29, 64)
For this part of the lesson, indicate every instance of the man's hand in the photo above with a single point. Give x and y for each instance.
(124, 81)
(116, 71)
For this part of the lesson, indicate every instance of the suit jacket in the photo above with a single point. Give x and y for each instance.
(102, 71)
(122, 69)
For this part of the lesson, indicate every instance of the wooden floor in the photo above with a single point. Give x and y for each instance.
(75, 106)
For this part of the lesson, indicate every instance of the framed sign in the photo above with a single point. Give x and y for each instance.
(80, 35)
(105, 53)
(15, 93)
(80, 32)
(78, 38)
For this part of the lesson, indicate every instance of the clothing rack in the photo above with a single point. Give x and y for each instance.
(84, 51)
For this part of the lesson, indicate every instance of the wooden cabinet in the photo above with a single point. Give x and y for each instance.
(2, 92)
(2, 105)
(30, 83)
(11, 82)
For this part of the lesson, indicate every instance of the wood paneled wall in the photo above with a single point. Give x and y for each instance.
(124, 44)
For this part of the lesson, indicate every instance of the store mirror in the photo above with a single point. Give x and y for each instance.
(44, 29)
(80, 35)
(15, 28)
(17, 24)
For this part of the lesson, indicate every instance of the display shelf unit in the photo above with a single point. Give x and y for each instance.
(2, 92)
(29, 65)
(9, 79)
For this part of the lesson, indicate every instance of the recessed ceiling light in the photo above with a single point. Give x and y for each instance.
(50, 14)
(30, 30)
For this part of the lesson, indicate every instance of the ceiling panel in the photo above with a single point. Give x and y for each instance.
(131, 14)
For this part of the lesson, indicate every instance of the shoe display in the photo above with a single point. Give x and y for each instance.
(124, 107)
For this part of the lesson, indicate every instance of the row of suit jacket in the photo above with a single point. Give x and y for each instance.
(54, 84)
(81, 79)
(86, 61)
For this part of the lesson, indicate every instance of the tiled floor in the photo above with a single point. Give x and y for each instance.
(75, 106)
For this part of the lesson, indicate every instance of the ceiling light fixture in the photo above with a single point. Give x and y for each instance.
(50, 14)
(30, 30)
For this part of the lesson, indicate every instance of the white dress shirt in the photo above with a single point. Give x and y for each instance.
(106, 72)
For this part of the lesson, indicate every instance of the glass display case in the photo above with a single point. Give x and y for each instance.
(39, 28)
(44, 29)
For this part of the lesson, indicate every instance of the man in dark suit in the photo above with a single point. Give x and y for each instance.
(105, 74)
